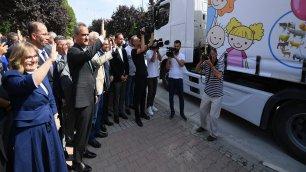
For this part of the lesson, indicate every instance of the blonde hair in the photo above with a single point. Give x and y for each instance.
(18, 55)
(253, 32)
(229, 7)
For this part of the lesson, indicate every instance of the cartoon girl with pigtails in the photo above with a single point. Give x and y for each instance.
(217, 8)
(240, 38)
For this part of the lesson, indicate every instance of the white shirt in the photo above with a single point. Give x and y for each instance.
(120, 52)
(153, 66)
(176, 71)
(128, 50)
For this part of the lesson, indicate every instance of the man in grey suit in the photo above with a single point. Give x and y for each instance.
(83, 79)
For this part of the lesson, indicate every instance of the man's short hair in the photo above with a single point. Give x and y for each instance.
(117, 35)
(177, 42)
(33, 27)
(77, 29)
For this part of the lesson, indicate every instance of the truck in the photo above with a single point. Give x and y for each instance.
(264, 45)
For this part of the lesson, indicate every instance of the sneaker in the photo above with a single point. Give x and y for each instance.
(211, 138)
(149, 111)
(154, 108)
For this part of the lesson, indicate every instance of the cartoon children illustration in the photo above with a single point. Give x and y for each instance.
(217, 8)
(240, 38)
(216, 36)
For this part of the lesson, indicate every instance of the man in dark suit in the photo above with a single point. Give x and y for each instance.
(82, 74)
(120, 71)
(39, 36)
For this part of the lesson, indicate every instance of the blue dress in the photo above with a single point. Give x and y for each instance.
(35, 140)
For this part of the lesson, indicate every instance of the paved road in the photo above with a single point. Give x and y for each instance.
(238, 133)
(165, 145)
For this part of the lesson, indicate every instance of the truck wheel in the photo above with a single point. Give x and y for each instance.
(289, 128)
(165, 80)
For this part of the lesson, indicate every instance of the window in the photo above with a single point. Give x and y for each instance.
(162, 15)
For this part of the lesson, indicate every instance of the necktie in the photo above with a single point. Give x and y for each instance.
(45, 57)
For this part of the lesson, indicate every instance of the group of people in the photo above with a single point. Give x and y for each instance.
(56, 93)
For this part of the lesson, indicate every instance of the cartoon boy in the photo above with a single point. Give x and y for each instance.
(218, 8)
(216, 36)
(240, 38)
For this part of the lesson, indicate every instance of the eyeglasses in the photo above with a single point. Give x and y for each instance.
(31, 57)
(43, 34)
(84, 34)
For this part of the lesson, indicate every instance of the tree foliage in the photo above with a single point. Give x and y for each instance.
(20, 12)
(71, 18)
(126, 20)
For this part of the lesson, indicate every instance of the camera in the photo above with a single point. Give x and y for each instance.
(170, 52)
(157, 43)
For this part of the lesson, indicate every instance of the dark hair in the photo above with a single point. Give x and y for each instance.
(33, 27)
(177, 42)
(77, 29)
(117, 35)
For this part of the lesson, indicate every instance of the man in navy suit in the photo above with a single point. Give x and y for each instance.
(82, 73)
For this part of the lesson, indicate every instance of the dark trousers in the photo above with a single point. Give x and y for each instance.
(83, 127)
(140, 95)
(119, 97)
(68, 109)
(105, 107)
(152, 85)
(129, 92)
(98, 114)
(176, 87)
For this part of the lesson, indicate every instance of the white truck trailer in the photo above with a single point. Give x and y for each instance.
(265, 43)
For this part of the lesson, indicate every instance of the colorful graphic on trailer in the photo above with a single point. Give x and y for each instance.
(246, 29)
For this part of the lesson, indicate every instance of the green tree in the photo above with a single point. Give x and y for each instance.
(125, 20)
(20, 12)
(71, 18)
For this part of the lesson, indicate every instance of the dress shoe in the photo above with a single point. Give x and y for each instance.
(88, 154)
(132, 107)
(123, 116)
(145, 116)
(128, 111)
(101, 134)
(171, 116)
(69, 167)
(184, 117)
(211, 138)
(94, 143)
(103, 128)
(200, 129)
(116, 119)
(139, 122)
(81, 167)
(108, 123)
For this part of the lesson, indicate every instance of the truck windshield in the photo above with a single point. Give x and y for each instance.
(162, 16)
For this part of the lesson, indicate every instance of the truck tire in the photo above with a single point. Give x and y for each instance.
(289, 128)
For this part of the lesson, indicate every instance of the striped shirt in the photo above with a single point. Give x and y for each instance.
(213, 85)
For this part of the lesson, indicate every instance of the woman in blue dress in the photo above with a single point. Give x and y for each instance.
(36, 146)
